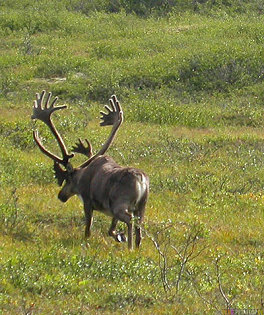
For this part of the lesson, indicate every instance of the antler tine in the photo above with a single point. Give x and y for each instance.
(43, 113)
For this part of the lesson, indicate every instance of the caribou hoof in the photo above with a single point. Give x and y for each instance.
(120, 237)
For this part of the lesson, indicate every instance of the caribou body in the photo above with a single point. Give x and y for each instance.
(101, 183)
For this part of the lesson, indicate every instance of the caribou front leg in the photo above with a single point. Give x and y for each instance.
(88, 211)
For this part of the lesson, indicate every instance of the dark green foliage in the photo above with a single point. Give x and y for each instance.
(142, 8)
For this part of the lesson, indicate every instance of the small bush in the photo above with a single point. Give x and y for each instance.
(12, 218)
(18, 133)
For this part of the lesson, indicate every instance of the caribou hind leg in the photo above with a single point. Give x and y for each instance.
(140, 217)
(139, 213)
(138, 233)
(121, 213)
(118, 236)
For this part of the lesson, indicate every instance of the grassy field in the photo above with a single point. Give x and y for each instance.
(190, 78)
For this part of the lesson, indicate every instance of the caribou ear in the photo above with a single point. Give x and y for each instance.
(60, 174)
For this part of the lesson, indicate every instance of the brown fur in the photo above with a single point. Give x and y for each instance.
(120, 192)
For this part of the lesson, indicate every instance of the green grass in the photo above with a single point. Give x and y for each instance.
(190, 80)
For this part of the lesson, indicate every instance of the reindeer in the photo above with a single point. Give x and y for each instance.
(101, 183)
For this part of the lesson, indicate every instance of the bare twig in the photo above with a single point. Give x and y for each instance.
(186, 253)
(162, 262)
(262, 298)
(228, 304)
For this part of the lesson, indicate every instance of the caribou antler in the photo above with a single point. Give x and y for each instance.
(81, 148)
(113, 117)
(114, 114)
(43, 112)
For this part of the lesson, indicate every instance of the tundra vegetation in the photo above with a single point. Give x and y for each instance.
(189, 75)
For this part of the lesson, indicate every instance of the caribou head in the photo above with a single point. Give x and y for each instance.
(102, 184)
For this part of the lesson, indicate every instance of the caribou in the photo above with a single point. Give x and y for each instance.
(100, 183)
